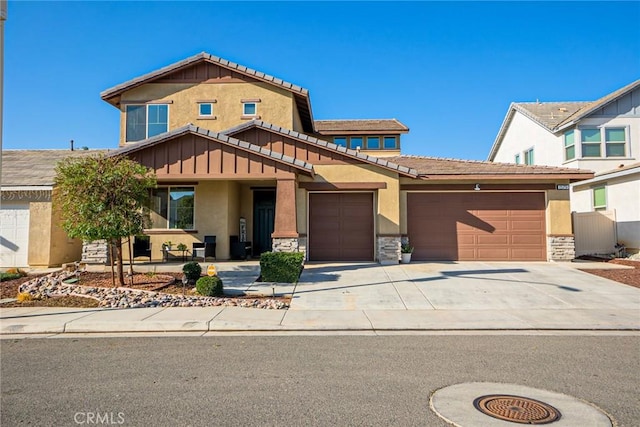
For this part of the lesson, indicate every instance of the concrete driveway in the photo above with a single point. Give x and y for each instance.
(459, 286)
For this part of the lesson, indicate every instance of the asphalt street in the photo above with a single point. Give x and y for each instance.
(298, 380)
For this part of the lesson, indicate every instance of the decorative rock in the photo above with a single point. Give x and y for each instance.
(52, 285)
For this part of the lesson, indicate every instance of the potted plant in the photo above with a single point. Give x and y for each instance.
(182, 247)
(167, 245)
(405, 253)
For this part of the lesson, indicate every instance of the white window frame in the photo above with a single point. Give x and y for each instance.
(625, 143)
(593, 198)
(583, 143)
(565, 146)
(146, 125)
(206, 102)
(244, 105)
(528, 156)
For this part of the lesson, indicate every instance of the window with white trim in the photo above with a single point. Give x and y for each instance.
(516, 159)
(615, 140)
(569, 145)
(205, 109)
(145, 120)
(591, 141)
(172, 208)
(599, 198)
(249, 109)
(528, 157)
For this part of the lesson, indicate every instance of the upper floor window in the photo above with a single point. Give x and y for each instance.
(355, 143)
(615, 142)
(373, 143)
(569, 145)
(205, 109)
(591, 142)
(145, 121)
(528, 157)
(516, 159)
(172, 207)
(340, 140)
(599, 198)
(390, 143)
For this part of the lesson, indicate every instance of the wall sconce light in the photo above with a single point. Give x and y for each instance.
(477, 187)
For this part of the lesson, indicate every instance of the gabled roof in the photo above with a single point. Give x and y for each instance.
(556, 116)
(360, 125)
(215, 136)
(301, 94)
(35, 168)
(441, 168)
(385, 163)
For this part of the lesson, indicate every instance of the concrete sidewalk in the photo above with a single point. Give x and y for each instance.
(370, 298)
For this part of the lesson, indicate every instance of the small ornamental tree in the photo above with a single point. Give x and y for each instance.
(103, 197)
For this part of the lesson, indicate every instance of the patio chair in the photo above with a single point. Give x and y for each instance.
(141, 247)
(204, 249)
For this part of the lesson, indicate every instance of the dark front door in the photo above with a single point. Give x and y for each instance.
(264, 215)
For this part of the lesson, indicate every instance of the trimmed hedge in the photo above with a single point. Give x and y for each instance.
(210, 286)
(283, 267)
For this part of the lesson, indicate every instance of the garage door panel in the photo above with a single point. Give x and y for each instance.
(341, 227)
(477, 226)
(14, 235)
(492, 239)
(492, 254)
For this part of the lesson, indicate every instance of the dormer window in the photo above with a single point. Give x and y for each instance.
(146, 120)
(390, 143)
(373, 143)
(340, 140)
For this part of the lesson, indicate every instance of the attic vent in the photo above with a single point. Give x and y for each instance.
(563, 109)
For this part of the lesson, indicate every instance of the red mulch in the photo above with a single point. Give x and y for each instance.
(629, 276)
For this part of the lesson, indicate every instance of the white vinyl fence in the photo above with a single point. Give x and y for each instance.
(595, 232)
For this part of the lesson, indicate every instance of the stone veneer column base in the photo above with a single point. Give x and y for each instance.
(95, 252)
(289, 244)
(561, 248)
(388, 249)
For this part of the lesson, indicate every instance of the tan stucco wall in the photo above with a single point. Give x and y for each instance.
(558, 212)
(276, 105)
(39, 233)
(63, 249)
(387, 206)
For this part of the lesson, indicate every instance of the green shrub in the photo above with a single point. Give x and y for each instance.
(210, 286)
(10, 276)
(192, 270)
(283, 267)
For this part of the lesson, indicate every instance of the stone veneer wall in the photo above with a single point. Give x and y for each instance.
(389, 249)
(285, 245)
(561, 248)
(95, 252)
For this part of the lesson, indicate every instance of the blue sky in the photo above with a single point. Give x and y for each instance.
(448, 70)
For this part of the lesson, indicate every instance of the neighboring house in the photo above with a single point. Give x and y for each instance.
(602, 136)
(238, 153)
(30, 231)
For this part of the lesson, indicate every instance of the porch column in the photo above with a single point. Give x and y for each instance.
(285, 231)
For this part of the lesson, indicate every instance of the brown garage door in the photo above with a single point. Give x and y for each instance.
(477, 226)
(340, 227)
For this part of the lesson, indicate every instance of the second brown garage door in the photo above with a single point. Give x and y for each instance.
(341, 227)
(477, 226)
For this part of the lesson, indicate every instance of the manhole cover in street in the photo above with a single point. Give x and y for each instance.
(517, 409)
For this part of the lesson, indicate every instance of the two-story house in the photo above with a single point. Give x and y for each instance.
(239, 155)
(602, 136)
